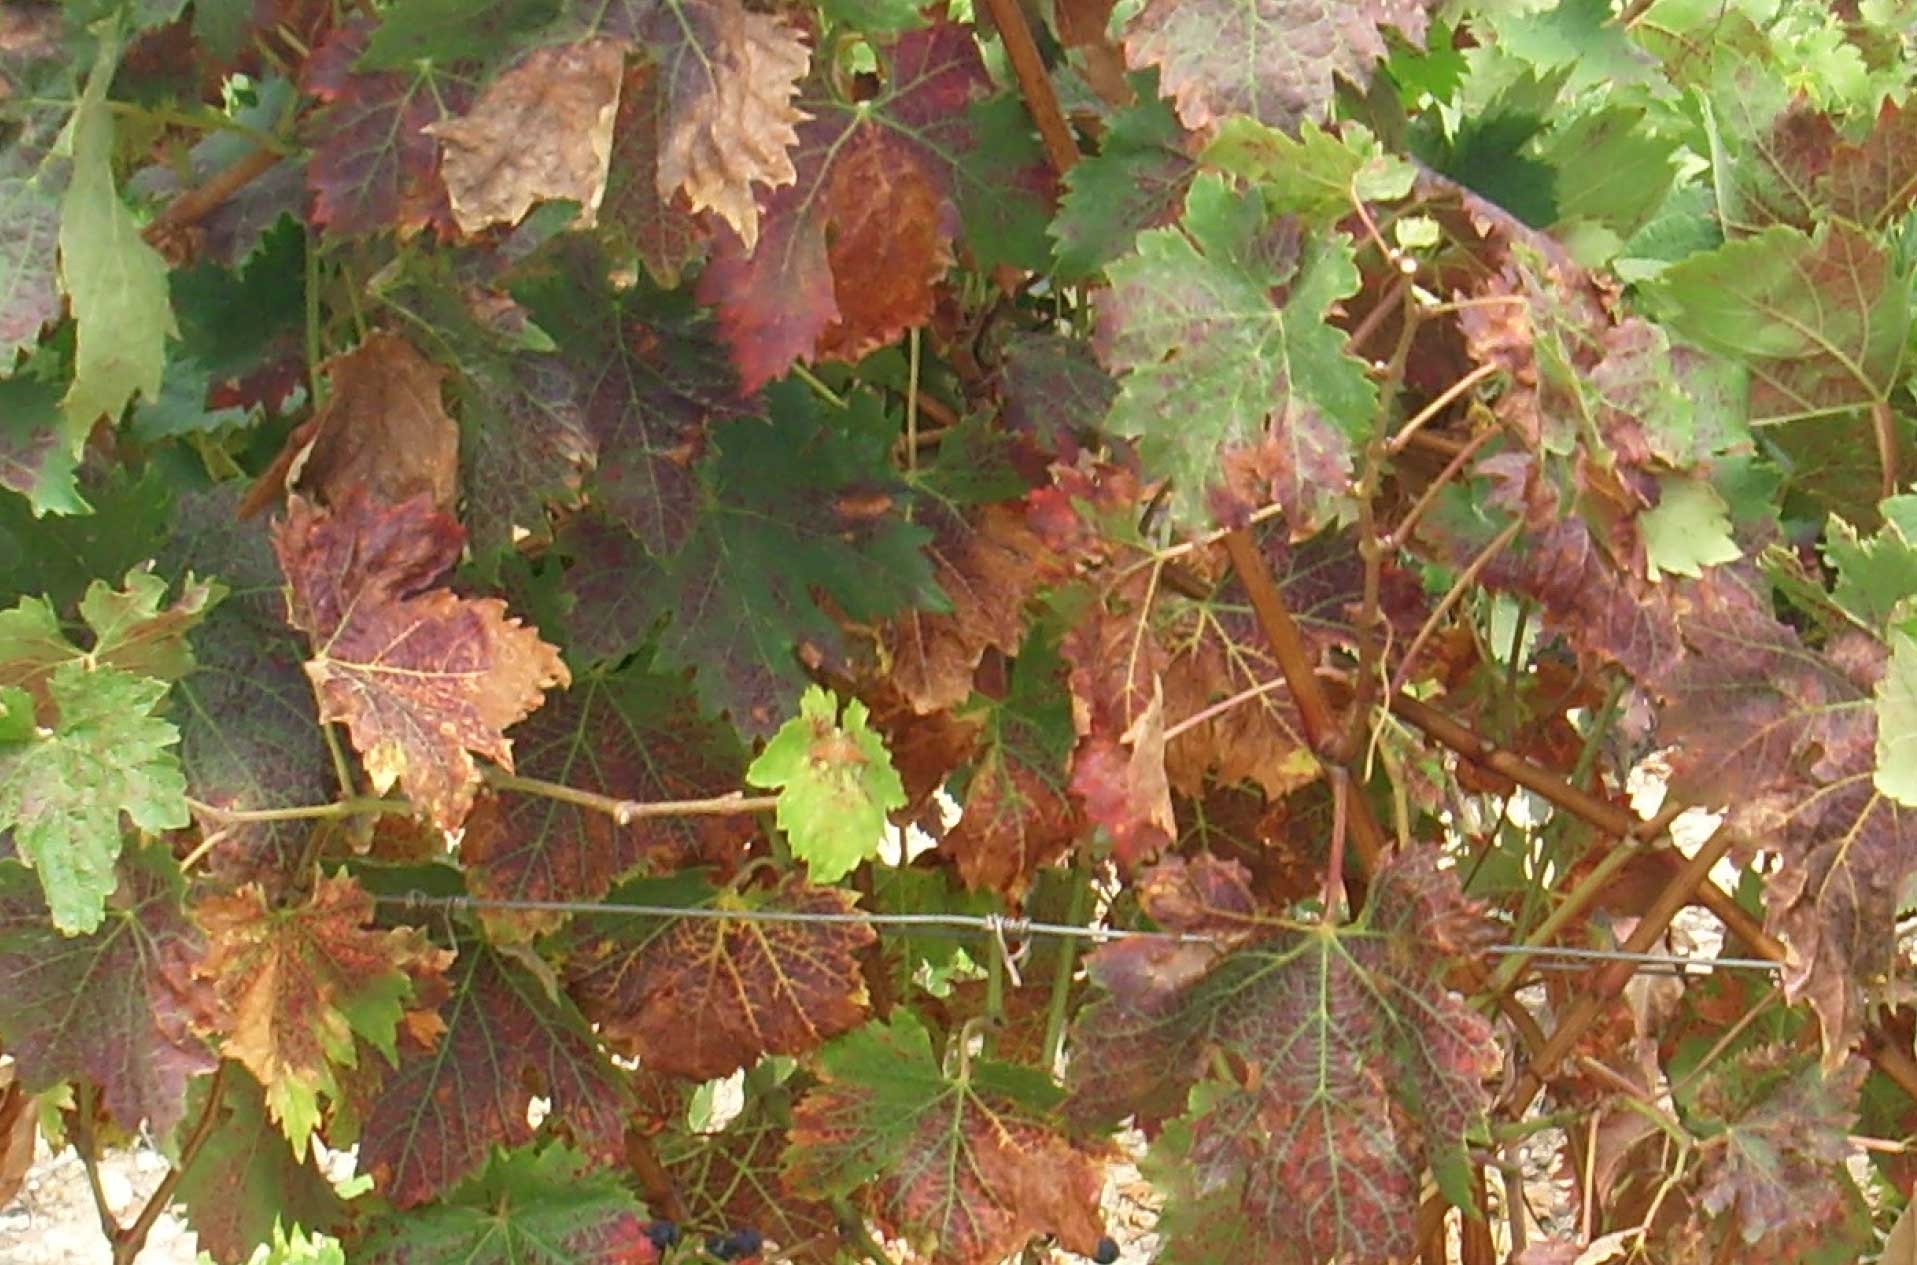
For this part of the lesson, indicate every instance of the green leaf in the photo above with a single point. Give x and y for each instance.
(1235, 398)
(799, 504)
(530, 1207)
(35, 458)
(245, 1179)
(1688, 529)
(876, 17)
(116, 283)
(1316, 175)
(1896, 774)
(1136, 181)
(63, 790)
(836, 784)
(1822, 321)
(133, 630)
(1875, 574)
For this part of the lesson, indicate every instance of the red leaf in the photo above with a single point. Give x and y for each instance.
(507, 1038)
(703, 997)
(627, 735)
(421, 678)
(848, 255)
(375, 166)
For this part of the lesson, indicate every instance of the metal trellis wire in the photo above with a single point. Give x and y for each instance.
(1001, 927)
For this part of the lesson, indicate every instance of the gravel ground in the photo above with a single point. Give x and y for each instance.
(52, 1221)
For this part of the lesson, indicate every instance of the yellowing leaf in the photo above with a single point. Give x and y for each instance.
(421, 677)
(300, 982)
(835, 785)
(116, 283)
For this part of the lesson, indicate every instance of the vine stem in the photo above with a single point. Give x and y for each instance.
(1288, 647)
(1371, 546)
(1062, 976)
(627, 811)
(356, 806)
(623, 811)
(87, 1145)
(1608, 981)
(133, 1238)
(1451, 598)
(197, 203)
(1061, 147)
(1402, 440)
(1887, 1053)
(1429, 496)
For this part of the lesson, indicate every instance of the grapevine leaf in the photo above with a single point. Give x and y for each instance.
(835, 781)
(521, 405)
(1873, 183)
(249, 727)
(375, 165)
(1822, 321)
(134, 630)
(1778, 1132)
(741, 592)
(964, 1166)
(243, 1179)
(662, 231)
(301, 982)
(29, 280)
(115, 282)
(655, 384)
(1055, 390)
(628, 735)
(63, 789)
(1274, 60)
(1136, 181)
(702, 997)
(445, 1106)
(565, 94)
(447, 31)
(1785, 738)
(731, 1178)
(728, 78)
(1356, 1059)
(35, 458)
(1687, 530)
(1317, 175)
(529, 1207)
(879, 17)
(1875, 573)
(989, 563)
(421, 678)
(117, 1006)
(1237, 399)
(1601, 609)
(848, 253)
(382, 432)
(1017, 815)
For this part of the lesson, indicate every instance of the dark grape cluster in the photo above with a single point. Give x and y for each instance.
(664, 1234)
(736, 1243)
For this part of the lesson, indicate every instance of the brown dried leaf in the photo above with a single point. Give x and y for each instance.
(730, 77)
(383, 431)
(543, 130)
(989, 564)
(422, 678)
